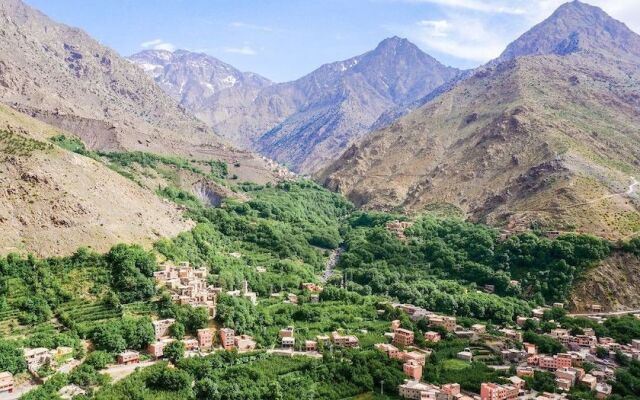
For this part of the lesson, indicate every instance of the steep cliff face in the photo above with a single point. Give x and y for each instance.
(614, 284)
(545, 138)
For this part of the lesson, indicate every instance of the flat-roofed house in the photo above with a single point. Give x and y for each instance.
(6, 382)
(128, 357)
(227, 338)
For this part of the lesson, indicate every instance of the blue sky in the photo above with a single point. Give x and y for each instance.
(284, 40)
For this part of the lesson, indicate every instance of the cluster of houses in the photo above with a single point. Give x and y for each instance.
(288, 340)
(35, 358)
(398, 227)
(425, 391)
(567, 367)
(188, 286)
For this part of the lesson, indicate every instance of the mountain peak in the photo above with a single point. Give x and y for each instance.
(576, 26)
(395, 43)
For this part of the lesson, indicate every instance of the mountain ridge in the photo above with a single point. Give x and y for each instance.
(304, 122)
(542, 140)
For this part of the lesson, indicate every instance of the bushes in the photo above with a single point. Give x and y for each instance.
(11, 358)
(546, 344)
(130, 333)
(131, 272)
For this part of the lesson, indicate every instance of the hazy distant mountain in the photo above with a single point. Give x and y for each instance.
(547, 135)
(306, 122)
(313, 119)
(206, 86)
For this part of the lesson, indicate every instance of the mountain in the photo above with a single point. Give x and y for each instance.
(547, 135)
(307, 122)
(53, 201)
(313, 119)
(209, 88)
(63, 77)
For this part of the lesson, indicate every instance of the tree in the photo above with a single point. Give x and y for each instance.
(174, 351)
(131, 272)
(99, 359)
(107, 337)
(11, 358)
(177, 330)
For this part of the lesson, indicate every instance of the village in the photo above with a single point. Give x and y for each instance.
(188, 286)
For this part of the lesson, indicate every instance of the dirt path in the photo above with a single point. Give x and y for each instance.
(605, 314)
(334, 257)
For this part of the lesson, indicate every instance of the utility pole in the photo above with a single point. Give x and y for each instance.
(381, 388)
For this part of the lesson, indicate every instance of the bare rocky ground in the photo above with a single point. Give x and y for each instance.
(53, 201)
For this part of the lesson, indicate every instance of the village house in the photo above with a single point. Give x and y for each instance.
(6, 382)
(398, 228)
(161, 327)
(128, 357)
(310, 345)
(553, 362)
(589, 381)
(494, 391)
(512, 334)
(312, 287)
(525, 372)
(68, 392)
(395, 324)
(287, 342)
(286, 332)
(415, 313)
(245, 343)
(432, 336)
(465, 355)
(314, 298)
(191, 344)
(36, 358)
(344, 341)
(417, 356)
(205, 338)
(412, 369)
(245, 292)
(479, 328)
(324, 339)
(390, 350)
(539, 312)
(413, 389)
(227, 338)
(530, 348)
(448, 323)
(603, 390)
(513, 355)
(292, 298)
(403, 337)
(156, 349)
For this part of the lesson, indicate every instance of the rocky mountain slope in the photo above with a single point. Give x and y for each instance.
(209, 88)
(547, 135)
(307, 122)
(63, 77)
(53, 201)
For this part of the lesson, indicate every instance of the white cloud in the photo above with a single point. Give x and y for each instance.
(244, 50)
(158, 44)
(458, 36)
(253, 27)
(478, 31)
